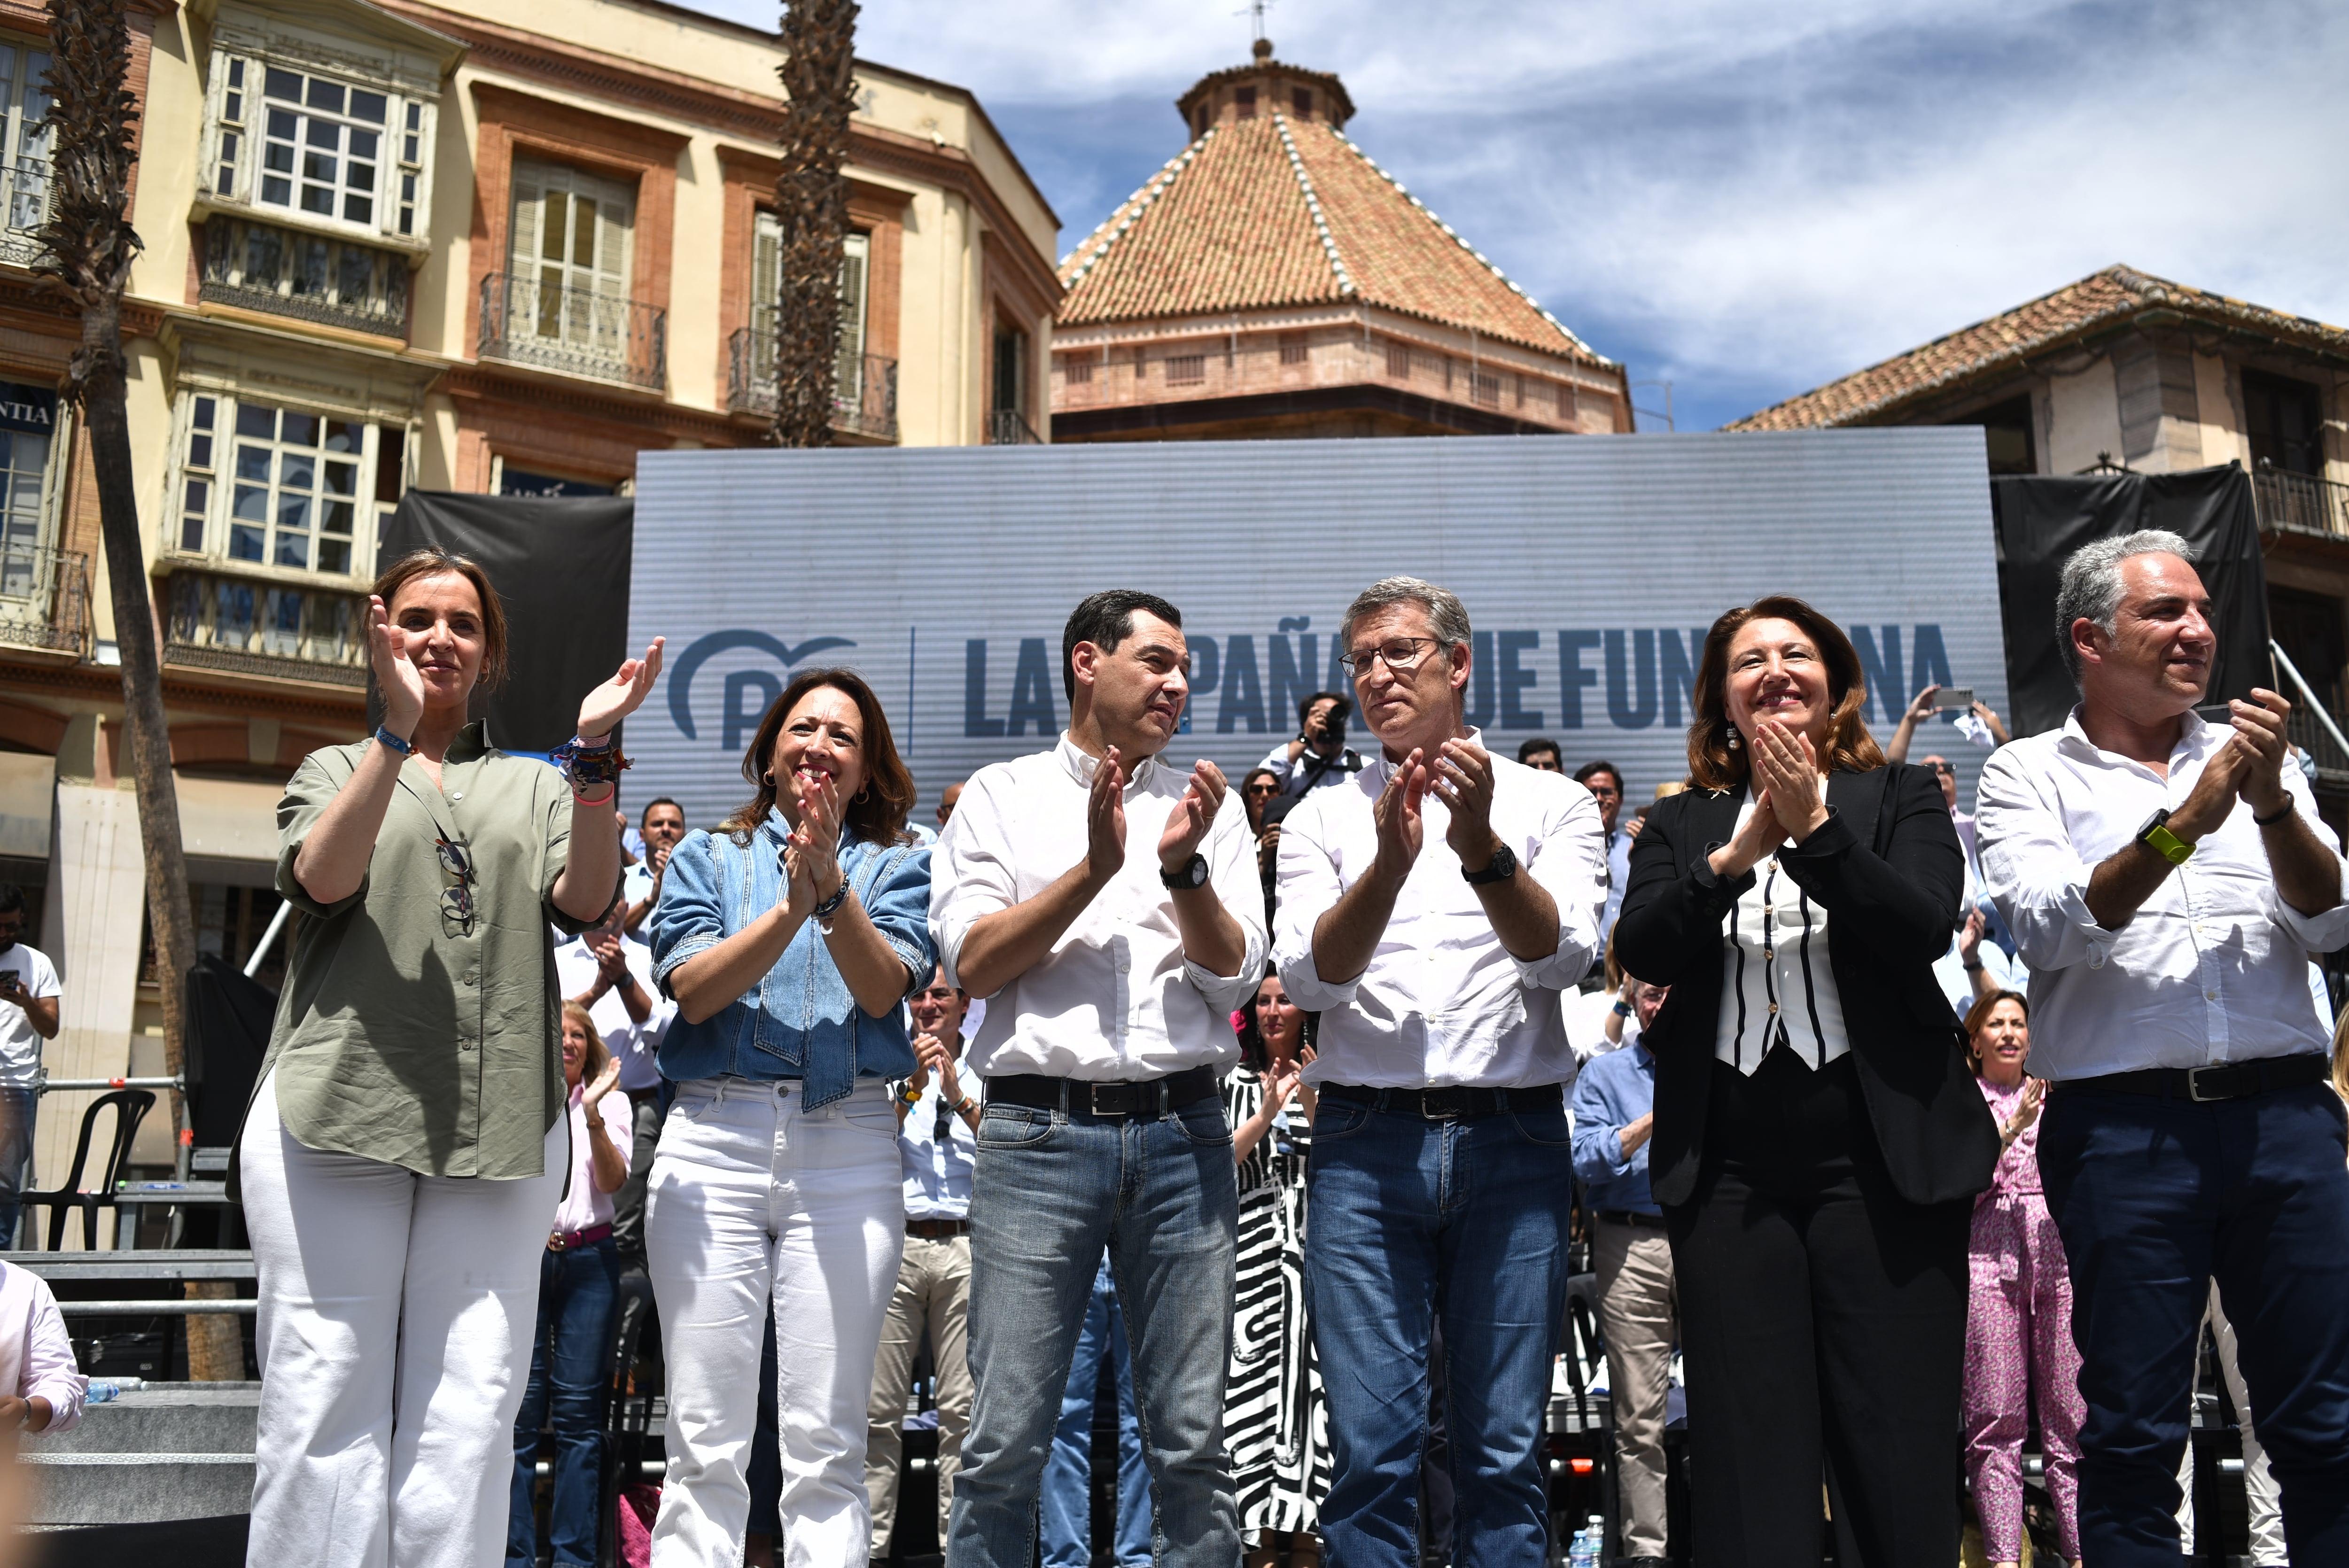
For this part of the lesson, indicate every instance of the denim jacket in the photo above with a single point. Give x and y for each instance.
(801, 1022)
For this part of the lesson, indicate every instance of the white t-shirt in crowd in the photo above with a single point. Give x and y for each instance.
(20, 1043)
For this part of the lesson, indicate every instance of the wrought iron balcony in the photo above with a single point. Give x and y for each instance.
(545, 324)
(1004, 427)
(43, 599)
(338, 283)
(249, 628)
(2299, 503)
(864, 387)
(24, 188)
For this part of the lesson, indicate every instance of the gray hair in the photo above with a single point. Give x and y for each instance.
(2091, 584)
(1446, 616)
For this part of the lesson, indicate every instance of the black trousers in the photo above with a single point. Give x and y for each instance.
(1823, 1324)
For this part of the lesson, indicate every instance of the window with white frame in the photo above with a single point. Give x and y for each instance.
(24, 143)
(568, 257)
(302, 141)
(766, 289)
(276, 486)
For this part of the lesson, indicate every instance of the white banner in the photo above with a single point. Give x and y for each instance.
(1591, 566)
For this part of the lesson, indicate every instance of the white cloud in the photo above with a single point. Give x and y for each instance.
(1750, 196)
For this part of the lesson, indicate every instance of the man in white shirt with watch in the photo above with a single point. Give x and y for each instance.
(1107, 906)
(2166, 881)
(1432, 911)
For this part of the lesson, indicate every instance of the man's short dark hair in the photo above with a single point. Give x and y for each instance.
(1582, 774)
(1106, 619)
(1526, 748)
(645, 815)
(1305, 708)
(12, 899)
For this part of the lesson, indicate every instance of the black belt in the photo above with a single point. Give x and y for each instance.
(936, 1230)
(1458, 1103)
(2227, 1080)
(1633, 1218)
(1146, 1098)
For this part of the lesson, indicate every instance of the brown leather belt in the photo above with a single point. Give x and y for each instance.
(937, 1230)
(572, 1241)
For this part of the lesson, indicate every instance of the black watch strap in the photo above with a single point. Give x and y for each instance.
(1500, 867)
(1192, 875)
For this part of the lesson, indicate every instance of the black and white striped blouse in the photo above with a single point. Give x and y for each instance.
(1777, 987)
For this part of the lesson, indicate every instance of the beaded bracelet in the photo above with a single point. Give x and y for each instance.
(584, 765)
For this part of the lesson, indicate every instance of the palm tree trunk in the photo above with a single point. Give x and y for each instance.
(812, 204)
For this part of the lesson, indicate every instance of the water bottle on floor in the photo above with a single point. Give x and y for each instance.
(1588, 1542)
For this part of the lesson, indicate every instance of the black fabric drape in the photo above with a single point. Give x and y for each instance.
(560, 567)
(229, 1018)
(2040, 521)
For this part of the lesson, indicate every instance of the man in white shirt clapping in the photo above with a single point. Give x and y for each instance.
(1431, 910)
(1106, 905)
(2166, 881)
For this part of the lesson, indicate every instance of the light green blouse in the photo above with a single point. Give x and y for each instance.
(406, 1034)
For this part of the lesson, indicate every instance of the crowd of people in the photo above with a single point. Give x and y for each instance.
(1905, 1132)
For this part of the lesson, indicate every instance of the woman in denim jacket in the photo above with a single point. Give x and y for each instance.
(788, 939)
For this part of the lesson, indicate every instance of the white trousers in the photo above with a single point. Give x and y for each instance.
(395, 1326)
(751, 1196)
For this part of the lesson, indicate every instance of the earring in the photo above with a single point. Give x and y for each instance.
(768, 778)
(1735, 740)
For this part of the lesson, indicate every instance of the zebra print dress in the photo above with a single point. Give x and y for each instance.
(1276, 1419)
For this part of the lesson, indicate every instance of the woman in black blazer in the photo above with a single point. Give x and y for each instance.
(1818, 1140)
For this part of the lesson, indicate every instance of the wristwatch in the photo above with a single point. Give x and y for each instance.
(1503, 866)
(2156, 836)
(1191, 877)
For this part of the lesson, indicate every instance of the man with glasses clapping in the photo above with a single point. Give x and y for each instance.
(1431, 910)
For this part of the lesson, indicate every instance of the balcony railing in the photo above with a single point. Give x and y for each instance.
(24, 188)
(248, 627)
(338, 283)
(43, 599)
(580, 332)
(865, 386)
(1004, 427)
(2299, 503)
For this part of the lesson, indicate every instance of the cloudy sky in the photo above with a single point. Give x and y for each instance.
(1742, 197)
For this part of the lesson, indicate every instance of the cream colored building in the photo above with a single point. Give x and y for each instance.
(490, 247)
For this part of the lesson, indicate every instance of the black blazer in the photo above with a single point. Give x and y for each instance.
(1888, 868)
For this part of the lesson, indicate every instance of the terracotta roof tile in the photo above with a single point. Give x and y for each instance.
(1275, 211)
(2076, 310)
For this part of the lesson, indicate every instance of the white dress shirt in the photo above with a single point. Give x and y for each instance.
(36, 1358)
(1618, 877)
(2211, 968)
(1776, 987)
(1115, 998)
(636, 1046)
(936, 1170)
(1442, 1003)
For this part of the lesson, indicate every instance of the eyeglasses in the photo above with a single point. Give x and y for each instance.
(456, 899)
(1401, 656)
(1943, 768)
(1264, 790)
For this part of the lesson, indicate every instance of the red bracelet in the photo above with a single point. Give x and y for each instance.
(608, 796)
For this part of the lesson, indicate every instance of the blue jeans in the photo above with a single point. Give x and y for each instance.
(1412, 1220)
(576, 1291)
(1067, 1474)
(18, 1110)
(2155, 1198)
(1050, 1190)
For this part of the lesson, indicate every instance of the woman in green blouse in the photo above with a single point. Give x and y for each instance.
(406, 1148)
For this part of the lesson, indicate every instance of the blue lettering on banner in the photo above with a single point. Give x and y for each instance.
(1243, 696)
(1032, 691)
(1625, 710)
(1292, 668)
(976, 725)
(1932, 662)
(1513, 679)
(763, 686)
(688, 664)
(1679, 679)
(1881, 674)
(1572, 677)
(1206, 666)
